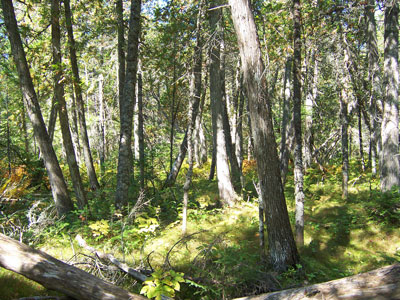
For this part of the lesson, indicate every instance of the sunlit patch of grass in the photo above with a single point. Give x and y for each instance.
(13, 286)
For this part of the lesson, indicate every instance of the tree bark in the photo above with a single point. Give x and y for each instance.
(298, 155)
(141, 130)
(226, 190)
(285, 127)
(125, 158)
(344, 120)
(119, 9)
(101, 128)
(383, 283)
(58, 186)
(62, 105)
(282, 247)
(56, 275)
(94, 184)
(390, 168)
(195, 95)
(309, 107)
(374, 78)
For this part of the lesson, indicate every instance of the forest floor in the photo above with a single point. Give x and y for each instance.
(219, 256)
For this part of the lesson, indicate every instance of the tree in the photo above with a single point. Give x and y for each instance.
(125, 158)
(94, 184)
(374, 80)
(62, 105)
(226, 190)
(58, 186)
(298, 154)
(390, 169)
(282, 247)
(195, 95)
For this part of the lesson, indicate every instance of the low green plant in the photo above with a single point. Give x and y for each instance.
(162, 283)
(100, 229)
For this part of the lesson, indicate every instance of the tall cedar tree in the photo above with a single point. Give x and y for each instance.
(390, 169)
(125, 157)
(226, 190)
(58, 186)
(282, 247)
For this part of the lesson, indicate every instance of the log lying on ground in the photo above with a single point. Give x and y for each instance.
(56, 275)
(383, 283)
(124, 267)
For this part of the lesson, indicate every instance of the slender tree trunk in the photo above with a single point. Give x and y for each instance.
(141, 130)
(8, 137)
(374, 79)
(309, 107)
(119, 9)
(173, 116)
(59, 188)
(360, 137)
(298, 155)
(195, 95)
(53, 117)
(102, 129)
(59, 98)
(136, 125)
(234, 166)
(344, 120)
(94, 184)
(75, 130)
(390, 169)
(125, 158)
(25, 132)
(282, 247)
(285, 150)
(227, 192)
(200, 143)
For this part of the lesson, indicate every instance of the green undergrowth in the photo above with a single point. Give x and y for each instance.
(219, 256)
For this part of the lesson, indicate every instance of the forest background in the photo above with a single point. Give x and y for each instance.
(148, 109)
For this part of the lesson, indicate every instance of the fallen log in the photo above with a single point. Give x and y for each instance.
(57, 275)
(383, 283)
(124, 267)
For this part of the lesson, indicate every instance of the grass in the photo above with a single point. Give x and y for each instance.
(220, 256)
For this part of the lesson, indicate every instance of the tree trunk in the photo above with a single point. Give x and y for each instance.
(176, 166)
(119, 9)
(285, 128)
(58, 186)
(94, 184)
(200, 143)
(227, 192)
(125, 158)
(374, 79)
(298, 155)
(360, 137)
(56, 275)
(230, 151)
(195, 95)
(282, 247)
(309, 107)
(141, 130)
(390, 168)
(344, 120)
(62, 105)
(383, 283)
(53, 117)
(75, 130)
(102, 128)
